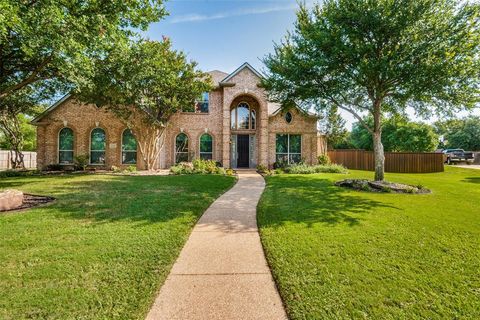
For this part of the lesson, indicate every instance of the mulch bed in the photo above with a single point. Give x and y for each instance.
(31, 201)
(381, 186)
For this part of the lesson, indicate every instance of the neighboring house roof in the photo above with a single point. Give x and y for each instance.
(50, 109)
(243, 66)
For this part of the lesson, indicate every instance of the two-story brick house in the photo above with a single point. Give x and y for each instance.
(234, 125)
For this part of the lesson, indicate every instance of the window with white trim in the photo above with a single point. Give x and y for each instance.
(202, 103)
(65, 146)
(98, 144)
(243, 117)
(129, 147)
(181, 148)
(206, 147)
(288, 148)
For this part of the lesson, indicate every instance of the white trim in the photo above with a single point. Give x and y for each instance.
(288, 153)
(200, 144)
(243, 66)
(58, 147)
(90, 148)
(250, 109)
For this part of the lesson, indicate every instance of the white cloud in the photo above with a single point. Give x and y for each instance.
(241, 12)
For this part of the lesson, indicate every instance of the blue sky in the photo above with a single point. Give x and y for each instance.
(223, 34)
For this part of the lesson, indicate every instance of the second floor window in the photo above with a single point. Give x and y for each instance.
(243, 117)
(201, 105)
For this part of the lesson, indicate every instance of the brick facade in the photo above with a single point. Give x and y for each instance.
(240, 86)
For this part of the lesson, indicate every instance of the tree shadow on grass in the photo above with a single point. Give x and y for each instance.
(142, 199)
(308, 200)
(472, 180)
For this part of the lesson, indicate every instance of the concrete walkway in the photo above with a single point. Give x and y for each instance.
(221, 272)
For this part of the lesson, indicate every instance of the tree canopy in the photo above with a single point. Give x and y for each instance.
(398, 135)
(379, 57)
(460, 133)
(49, 47)
(145, 83)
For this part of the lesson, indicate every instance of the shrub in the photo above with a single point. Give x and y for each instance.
(18, 173)
(54, 167)
(131, 169)
(261, 168)
(81, 161)
(115, 169)
(306, 169)
(199, 166)
(204, 166)
(331, 168)
(280, 165)
(229, 172)
(324, 160)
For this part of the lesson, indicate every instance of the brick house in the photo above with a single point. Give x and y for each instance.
(233, 124)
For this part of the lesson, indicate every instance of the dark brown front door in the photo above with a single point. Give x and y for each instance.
(243, 150)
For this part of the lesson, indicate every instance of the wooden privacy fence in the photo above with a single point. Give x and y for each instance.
(399, 162)
(29, 158)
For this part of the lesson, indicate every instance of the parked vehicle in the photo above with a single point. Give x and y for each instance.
(457, 155)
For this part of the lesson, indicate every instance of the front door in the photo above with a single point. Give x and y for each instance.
(243, 142)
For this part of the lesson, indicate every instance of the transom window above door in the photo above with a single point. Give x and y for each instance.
(243, 117)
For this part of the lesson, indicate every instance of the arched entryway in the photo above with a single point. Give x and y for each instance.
(244, 123)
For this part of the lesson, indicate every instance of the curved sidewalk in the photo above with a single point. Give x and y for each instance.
(221, 272)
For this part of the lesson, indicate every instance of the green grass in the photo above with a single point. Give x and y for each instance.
(103, 249)
(343, 254)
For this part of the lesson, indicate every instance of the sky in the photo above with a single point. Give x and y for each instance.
(223, 34)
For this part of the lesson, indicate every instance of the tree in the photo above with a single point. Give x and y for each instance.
(47, 47)
(333, 126)
(144, 84)
(398, 135)
(460, 133)
(378, 57)
(28, 133)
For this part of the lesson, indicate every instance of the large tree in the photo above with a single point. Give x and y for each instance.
(398, 135)
(48, 47)
(145, 83)
(379, 57)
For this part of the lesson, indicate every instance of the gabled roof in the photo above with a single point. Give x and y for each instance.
(306, 113)
(243, 66)
(50, 109)
(217, 76)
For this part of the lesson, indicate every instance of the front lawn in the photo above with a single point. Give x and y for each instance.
(342, 254)
(103, 249)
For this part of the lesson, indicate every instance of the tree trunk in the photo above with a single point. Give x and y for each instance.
(378, 152)
(379, 156)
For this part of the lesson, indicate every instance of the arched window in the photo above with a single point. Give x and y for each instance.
(129, 147)
(206, 147)
(181, 148)
(97, 146)
(65, 146)
(243, 117)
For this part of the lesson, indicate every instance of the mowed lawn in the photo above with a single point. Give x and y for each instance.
(340, 254)
(103, 249)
